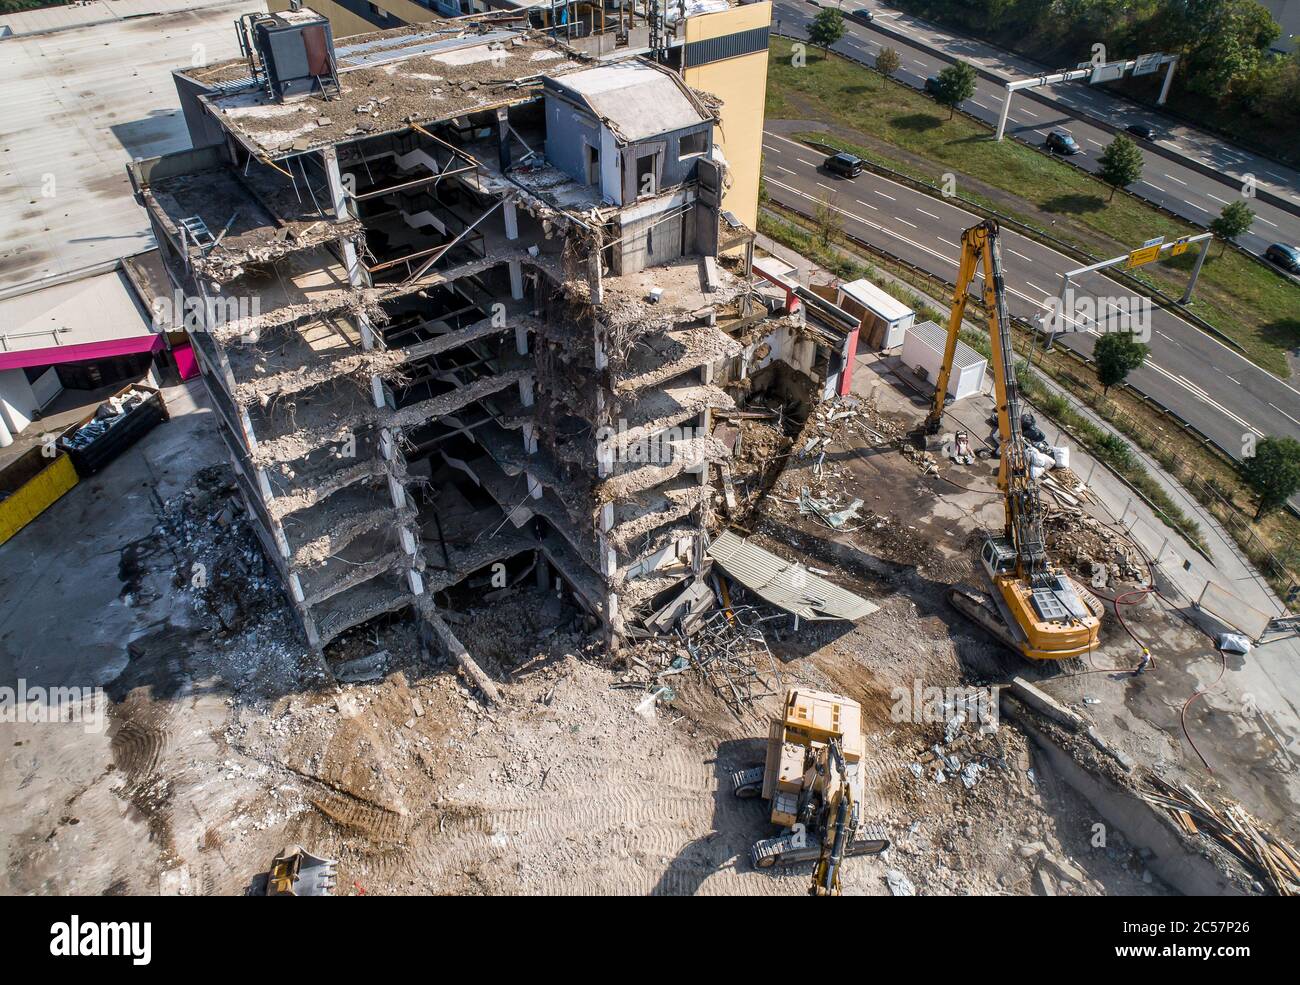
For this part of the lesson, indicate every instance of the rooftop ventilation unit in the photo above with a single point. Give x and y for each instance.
(291, 53)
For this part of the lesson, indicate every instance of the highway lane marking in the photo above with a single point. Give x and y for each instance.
(1156, 187)
(947, 243)
(1028, 112)
(883, 195)
(827, 187)
(1197, 207)
(970, 219)
(1284, 413)
(1216, 198)
(808, 164)
(867, 204)
(1036, 288)
(1093, 142)
(1234, 379)
(1262, 219)
(780, 167)
(1172, 178)
(1021, 255)
(930, 214)
(905, 222)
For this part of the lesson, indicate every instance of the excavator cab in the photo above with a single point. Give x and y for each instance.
(999, 557)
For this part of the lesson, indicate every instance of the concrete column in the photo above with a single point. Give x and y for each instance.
(517, 280)
(396, 492)
(542, 571)
(521, 340)
(594, 271)
(512, 219)
(338, 195)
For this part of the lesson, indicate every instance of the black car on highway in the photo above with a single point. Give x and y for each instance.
(1141, 131)
(845, 165)
(1062, 142)
(932, 85)
(862, 15)
(1286, 257)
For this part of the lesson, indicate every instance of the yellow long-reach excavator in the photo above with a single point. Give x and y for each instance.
(1034, 607)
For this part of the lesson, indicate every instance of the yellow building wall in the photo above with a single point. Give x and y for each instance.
(741, 84)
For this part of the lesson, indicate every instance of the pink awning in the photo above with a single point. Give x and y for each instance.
(77, 353)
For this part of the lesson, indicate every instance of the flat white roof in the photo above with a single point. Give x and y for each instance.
(82, 312)
(876, 300)
(79, 104)
(933, 337)
(639, 101)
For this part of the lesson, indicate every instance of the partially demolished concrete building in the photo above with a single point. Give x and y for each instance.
(460, 300)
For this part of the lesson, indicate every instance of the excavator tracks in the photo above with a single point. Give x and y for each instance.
(980, 609)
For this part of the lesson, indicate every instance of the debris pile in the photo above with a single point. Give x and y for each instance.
(1091, 547)
(728, 652)
(110, 412)
(1273, 861)
(219, 561)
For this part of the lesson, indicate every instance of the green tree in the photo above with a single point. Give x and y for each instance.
(1117, 354)
(888, 62)
(1273, 472)
(1120, 164)
(826, 219)
(1235, 219)
(827, 28)
(956, 84)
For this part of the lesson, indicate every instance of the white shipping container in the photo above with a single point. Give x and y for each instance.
(885, 319)
(923, 352)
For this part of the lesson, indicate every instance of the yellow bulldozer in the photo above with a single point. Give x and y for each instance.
(812, 777)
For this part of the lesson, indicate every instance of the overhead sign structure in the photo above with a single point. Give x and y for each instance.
(1147, 64)
(1107, 73)
(1147, 252)
(1090, 73)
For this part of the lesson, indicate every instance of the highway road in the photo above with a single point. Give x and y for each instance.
(1180, 188)
(1206, 383)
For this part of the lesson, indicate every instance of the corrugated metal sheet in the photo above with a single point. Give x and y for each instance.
(728, 46)
(788, 586)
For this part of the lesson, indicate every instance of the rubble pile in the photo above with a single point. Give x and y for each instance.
(727, 651)
(1090, 546)
(219, 561)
